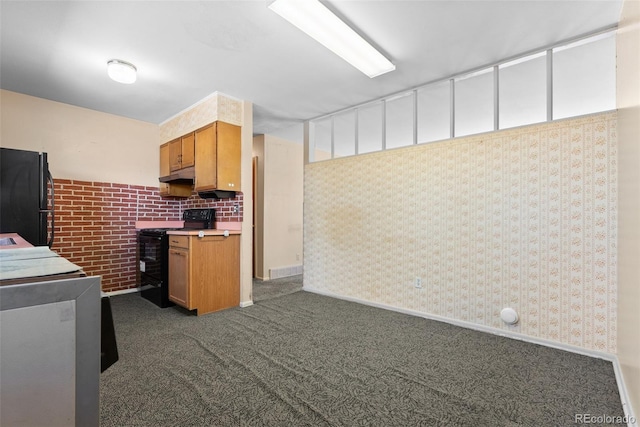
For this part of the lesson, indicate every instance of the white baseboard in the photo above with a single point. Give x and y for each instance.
(132, 290)
(626, 406)
(121, 292)
(624, 395)
(277, 273)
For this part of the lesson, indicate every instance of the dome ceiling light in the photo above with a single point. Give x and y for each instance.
(121, 71)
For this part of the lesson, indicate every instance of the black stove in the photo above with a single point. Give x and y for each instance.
(153, 247)
(159, 230)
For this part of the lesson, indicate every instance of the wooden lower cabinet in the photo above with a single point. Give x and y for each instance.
(179, 277)
(204, 272)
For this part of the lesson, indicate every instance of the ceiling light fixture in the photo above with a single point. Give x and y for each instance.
(317, 21)
(121, 71)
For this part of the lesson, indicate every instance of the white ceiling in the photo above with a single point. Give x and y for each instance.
(186, 50)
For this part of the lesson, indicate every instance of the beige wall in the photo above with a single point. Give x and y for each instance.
(82, 144)
(280, 195)
(246, 240)
(628, 99)
(521, 218)
(258, 242)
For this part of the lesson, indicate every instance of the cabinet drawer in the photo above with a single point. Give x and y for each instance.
(179, 241)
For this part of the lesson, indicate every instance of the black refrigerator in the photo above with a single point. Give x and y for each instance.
(26, 196)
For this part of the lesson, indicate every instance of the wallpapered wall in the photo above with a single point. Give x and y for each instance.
(524, 218)
(217, 106)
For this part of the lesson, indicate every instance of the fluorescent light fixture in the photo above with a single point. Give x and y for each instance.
(317, 21)
(121, 71)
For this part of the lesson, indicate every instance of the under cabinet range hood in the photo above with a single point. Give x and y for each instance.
(217, 194)
(182, 176)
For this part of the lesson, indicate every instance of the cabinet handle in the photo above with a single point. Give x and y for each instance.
(177, 253)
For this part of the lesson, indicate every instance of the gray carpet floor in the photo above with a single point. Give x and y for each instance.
(267, 289)
(296, 358)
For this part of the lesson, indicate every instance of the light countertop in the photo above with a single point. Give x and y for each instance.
(209, 232)
(158, 224)
(20, 263)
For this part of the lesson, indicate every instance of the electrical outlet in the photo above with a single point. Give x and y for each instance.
(418, 283)
(236, 208)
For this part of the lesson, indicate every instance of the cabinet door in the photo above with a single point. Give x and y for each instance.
(175, 154)
(228, 162)
(179, 290)
(206, 158)
(165, 168)
(188, 150)
(167, 189)
(216, 272)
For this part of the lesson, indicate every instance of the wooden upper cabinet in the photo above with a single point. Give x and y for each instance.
(167, 189)
(181, 152)
(211, 153)
(206, 158)
(217, 157)
(165, 165)
(229, 158)
(175, 152)
(187, 146)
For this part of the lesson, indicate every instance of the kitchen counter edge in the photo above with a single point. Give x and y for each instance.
(208, 232)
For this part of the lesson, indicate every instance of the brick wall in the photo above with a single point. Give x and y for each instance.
(95, 224)
(224, 208)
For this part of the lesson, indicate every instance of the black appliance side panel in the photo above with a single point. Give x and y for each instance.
(45, 208)
(20, 195)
